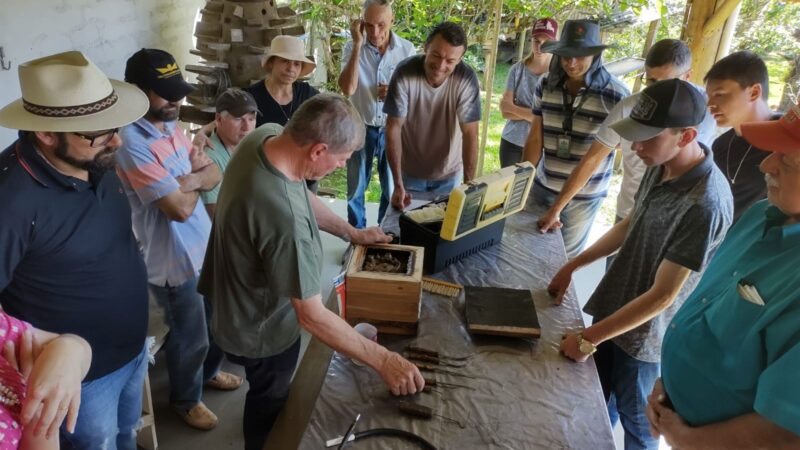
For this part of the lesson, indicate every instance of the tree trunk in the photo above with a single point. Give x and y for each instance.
(791, 86)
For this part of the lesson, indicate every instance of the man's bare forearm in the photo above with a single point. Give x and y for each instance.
(532, 151)
(348, 79)
(207, 178)
(469, 150)
(581, 175)
(394, 150)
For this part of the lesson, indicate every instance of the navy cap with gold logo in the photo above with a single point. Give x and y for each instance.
(157, 70)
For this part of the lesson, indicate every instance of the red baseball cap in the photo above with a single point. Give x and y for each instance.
(547, 27)
(782, 135)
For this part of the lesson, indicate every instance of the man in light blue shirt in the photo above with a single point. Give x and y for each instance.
(731, 356)
(367, 67)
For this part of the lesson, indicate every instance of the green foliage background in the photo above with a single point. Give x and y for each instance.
(767, 27)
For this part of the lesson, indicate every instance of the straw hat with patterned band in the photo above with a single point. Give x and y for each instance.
(68, 93)
(291, 48)
(782, 135)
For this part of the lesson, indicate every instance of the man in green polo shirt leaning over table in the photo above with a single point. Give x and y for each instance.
(731, 356)
(263, 263)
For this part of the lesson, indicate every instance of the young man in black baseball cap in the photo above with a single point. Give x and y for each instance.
(683, 209)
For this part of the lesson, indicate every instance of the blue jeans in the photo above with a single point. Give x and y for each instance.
(187, 344)
(359, 173)
(437, 187)
(269, 379)
(577, 218)
(626, 383)
(111, 407)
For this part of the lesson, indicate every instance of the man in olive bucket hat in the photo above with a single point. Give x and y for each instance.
(570, 104)
(69, 262)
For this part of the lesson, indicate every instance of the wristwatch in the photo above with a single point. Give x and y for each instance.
(585, 346)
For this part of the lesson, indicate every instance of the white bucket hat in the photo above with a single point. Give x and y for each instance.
(291, 48)
(68, 93)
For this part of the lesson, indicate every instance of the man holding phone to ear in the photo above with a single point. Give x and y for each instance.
(367, 67)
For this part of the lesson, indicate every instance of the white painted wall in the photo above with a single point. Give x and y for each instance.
(107, 31)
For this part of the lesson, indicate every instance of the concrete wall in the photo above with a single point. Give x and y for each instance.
(107, 31)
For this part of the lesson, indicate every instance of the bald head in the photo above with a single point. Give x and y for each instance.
(378, 20)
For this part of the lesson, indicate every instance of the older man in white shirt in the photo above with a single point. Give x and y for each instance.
(367, 67)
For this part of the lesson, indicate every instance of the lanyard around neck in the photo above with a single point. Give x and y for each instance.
(569, 113)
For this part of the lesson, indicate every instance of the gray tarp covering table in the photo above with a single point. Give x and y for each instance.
(527, 396)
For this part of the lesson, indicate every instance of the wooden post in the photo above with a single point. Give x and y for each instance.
(727, 33)
(705, 20)
(490, 50)
(648, 42)
(521, 44)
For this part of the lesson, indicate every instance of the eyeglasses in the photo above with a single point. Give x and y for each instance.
(100, 138)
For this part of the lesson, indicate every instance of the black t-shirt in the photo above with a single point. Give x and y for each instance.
(739, 162)
(271, 111)
(69, 262)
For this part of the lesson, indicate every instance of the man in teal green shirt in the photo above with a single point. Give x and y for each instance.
(731, 356)
(235, 119)
(262, 266)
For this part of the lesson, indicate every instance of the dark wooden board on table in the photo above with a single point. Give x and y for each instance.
(501, 311)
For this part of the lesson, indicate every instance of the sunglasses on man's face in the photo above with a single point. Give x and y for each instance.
(98, 138)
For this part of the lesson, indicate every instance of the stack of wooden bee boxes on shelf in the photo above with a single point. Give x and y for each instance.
(384, 286)
(232, 39)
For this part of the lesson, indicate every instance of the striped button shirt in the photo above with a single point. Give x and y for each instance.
(149, 164)
(591, 111)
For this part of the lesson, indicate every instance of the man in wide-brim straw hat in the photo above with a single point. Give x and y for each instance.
(70, 262)
(570, 104)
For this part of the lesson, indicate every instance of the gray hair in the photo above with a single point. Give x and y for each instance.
(368, 3)
(329, 119)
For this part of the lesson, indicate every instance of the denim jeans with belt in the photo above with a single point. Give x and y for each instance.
(111, 407)
(187, 344)
(359, 174)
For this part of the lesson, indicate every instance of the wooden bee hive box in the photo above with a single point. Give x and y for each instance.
(384, 287)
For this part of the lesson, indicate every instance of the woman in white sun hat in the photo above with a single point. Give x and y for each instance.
(279, 94)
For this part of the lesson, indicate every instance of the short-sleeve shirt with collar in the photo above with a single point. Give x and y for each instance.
(590, 108)
(374, 69)
(522, 83)
(69, 262)
(264, 251)
(221, 157)
(724, 356)
(149, 164)
(431, 132)
(682, 220)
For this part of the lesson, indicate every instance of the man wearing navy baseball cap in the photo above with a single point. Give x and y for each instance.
(683, 209)
(163, 177)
